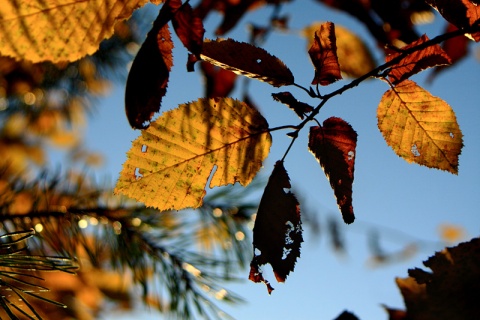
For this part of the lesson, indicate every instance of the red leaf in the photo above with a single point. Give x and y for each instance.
(219, 82)
(148, 77)
(277, 234)
(334, 146)
(461, 13)
(323, 53)
(189, 28)
(417, 61)
(287, 98)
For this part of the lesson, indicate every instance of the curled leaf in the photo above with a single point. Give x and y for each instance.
(299, 107)
(354, 57)
(417, 61)
(323, 53)
(188, 27)
(333, 145)
(277, 234)
(248, 60)
(419, 127)
(61, 30)
(169, 164)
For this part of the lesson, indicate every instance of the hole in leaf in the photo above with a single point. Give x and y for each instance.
(259, 61)
(257, 252)
(144, 148)
(415, 151)
(137, 174)
(286, 190)
(286, 252)
(452, 135)
(351, 155)
(290, 228)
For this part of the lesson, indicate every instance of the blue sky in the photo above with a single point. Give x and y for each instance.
(388, 192)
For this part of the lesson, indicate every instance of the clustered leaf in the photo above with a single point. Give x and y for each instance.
(333, 145)
(323, 53)
(169, 164)
(277, 234)
(248, 60)
(419, 127)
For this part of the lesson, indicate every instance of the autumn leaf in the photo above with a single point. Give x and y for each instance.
(417, 61)
(419, 127)
(323, 54)
(248, 60)
(169, 164)
(188, 27)
(299, 107)
(333, 145)
(148, 77)
(277, 234)
(450, 290)
(58, 30)
(354, 57)
(461, 13)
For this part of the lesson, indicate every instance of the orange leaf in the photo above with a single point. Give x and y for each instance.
(461, 13)
(189, 28)
(248, 60)
(277, 234)
(334, 147)
(323, 53)
(287, 98)
(417, 61)
(419, 127)
(148, 77)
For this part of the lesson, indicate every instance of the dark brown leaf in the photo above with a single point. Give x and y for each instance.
(334, 147)
(287, 98)
(248, 60)
(417, 61)
(461, 13)
(148, 77)
(189, 28)
(323, 53)
(450, 291)
(277, 234)
(346, 315)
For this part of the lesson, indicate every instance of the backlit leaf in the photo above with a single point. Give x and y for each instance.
(248, 60)
(450, 291)
(417, 61)
(58, 30)
(189, 28)
(299, 107)
(419, 127)
(354, 57)
(333, 145)
(169, 164)
(148, 77)
(323, 53)
(277, 234)
(461, 13)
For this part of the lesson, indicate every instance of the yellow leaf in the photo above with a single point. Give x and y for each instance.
(58, 30)
(419, 127)
(169, 164)
(451, 233)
